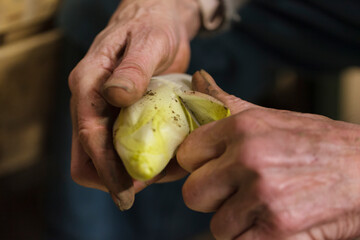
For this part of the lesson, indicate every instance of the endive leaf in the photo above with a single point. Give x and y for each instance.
(203, 107)
(147, 134)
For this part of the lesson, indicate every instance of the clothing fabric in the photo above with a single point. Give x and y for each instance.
(318, 35)
(315, 35)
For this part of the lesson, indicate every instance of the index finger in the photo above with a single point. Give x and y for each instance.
(209, 141)
(92, 126)
(205, 143)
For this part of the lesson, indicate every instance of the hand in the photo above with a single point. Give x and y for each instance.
(143, 38)
(272, 174)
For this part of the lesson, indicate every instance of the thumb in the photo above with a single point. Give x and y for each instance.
(203, 82)
(130, 78)
(143, 57)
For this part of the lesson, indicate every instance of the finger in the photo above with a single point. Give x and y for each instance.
(182, 59)
(171, 173)
(203, 82)
(109, 167)
(253, 234)
(336, 229)
(236, 216)
(257, 233)
(210, 185)
(205, 143)
(83, 171)
(147, 53)
(92, 124)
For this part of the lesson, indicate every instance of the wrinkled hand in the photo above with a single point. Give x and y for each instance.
(271, 174)
(143, 38)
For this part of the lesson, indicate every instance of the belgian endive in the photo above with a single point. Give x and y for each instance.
(147, 134)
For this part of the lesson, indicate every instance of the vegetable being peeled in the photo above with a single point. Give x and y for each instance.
(147, 133)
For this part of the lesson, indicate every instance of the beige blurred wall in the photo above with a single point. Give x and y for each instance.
(21, 18)
(29, 49)
(350, 95)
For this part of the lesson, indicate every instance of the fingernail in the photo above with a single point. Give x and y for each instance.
(205, 75)
(127, 85)
(123, 200)
(202, 76)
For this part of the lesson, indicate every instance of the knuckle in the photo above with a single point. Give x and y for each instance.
(107, 35)
(107, 47)
(83, 134)
(95, 140)
(101, 35)
(285, 224)
(159, 35)
(237, 124)
(107, 56)
(134, 67)
(232, 100)
(183, 157)
(180, 157)
(73, 80)
(168, 38)
(264, 190)
(190, 194)
(220, 222)
(77, 175)
(254, 113)
(215, 229)
(250, 121)
(249, 153)
(283, 220)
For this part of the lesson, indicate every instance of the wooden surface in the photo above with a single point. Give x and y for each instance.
(27, 75)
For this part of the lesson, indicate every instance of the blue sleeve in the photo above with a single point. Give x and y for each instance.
(319, 34)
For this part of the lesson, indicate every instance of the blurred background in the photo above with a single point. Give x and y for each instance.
(29, 53)
(41, 41)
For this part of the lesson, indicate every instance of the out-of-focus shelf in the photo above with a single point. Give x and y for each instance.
(28, 72)
(349, 95)
(22, 18)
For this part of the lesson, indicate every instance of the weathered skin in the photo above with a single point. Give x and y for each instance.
(148, 133)
(143, 38)
(283, 175)
(272, 174)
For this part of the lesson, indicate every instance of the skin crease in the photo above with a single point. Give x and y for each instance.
(267, 174)
(143, 38)
(273, 174)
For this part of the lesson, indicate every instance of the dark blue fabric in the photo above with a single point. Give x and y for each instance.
(82, 20)
(311, 35)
